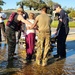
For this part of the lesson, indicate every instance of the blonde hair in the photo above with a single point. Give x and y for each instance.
(31, 16)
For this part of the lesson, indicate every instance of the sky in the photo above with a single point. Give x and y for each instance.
(67, 3)
(12, 3)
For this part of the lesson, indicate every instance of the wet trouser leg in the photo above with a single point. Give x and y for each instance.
(43, 46)
(47, 45)
(39, 45)
(61, 46)
(11, 40)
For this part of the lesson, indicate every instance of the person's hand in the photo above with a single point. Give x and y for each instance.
(28, 28)
(37, 31)
(31, 27)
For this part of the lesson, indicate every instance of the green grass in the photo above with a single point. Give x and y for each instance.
(72, 24)
(55, 23)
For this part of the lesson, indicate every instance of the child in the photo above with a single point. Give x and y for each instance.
(30, 38)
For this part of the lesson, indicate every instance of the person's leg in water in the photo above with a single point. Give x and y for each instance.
(11, 41)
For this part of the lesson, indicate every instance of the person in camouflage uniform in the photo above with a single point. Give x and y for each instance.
(43, 41)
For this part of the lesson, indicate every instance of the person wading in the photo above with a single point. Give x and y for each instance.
(12, 27)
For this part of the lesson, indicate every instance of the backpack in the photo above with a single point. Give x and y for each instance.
(11, 23)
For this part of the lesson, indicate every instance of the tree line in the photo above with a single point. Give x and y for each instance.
(37, 4)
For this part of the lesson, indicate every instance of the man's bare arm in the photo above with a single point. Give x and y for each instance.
(20, 18)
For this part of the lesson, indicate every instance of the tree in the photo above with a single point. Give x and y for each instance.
(35, 4)
(0, 8)
(2, 2)
(72, 13)
(28, 3)
(50, 5)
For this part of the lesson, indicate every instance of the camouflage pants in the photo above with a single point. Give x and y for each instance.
(43, 46)
(11, 41)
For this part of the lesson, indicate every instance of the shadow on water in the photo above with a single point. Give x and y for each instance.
(10, 67)
(16, 67)
(70, 48)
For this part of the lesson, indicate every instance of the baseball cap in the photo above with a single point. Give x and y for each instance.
(56, 6)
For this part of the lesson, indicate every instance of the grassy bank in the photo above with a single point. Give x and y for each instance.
(55, 23)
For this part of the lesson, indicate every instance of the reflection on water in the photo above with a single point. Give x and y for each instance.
(17, 67)
(69, 66)
(2, 45)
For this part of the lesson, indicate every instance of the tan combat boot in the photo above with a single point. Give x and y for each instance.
(44, 62)
(37, 61)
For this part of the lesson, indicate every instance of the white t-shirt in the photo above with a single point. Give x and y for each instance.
(31, 30)
(3, 15)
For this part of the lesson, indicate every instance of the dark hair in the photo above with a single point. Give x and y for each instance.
(44, 8)
(57, 5)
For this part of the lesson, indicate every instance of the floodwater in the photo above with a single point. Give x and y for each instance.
(18, 67)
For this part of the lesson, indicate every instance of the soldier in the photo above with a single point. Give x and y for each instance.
(11, 28)
(43, 42)
(63, 29)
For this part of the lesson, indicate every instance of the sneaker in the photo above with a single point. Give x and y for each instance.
(60, 58)
(56, 56)
(44, 64)
(10, 58)
(63, 56)
(14, 54)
